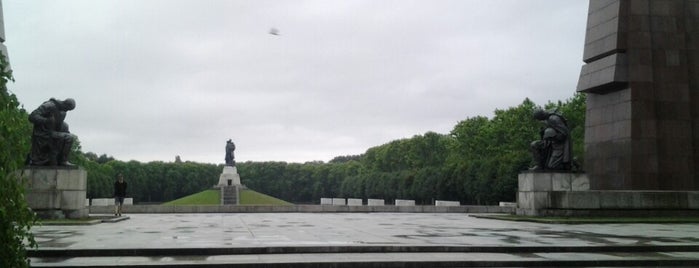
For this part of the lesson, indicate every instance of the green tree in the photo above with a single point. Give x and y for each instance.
(16, 218)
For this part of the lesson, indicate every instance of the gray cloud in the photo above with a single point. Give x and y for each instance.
(155, 79)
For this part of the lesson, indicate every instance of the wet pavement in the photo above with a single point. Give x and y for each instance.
(323, 232)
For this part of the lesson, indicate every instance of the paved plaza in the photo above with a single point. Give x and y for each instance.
(367, 237)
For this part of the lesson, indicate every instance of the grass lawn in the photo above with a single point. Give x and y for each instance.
(206, 197)
(213, 197)
(250, 197)
(590, 220)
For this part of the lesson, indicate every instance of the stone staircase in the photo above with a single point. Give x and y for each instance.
(374, 256)
(229, 195)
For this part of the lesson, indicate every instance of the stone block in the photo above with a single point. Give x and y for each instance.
(582, 200)
(601, 40)
(40, 179)
(71, 179)
(534, 181)
(533, 200)
(553, 181)
(51, 189)
(102, 202)
(561, 182)
(77, 213)
(87, 202)
(580, 182)
(326, 201)
(604, 75)
(403, 202)
(72, 200)
(43, 199)
(128, 201)
(508, 204)
(375, 202)
(693, 200)
(525, 181)
(619, 200)
(354, 202)
(442, 203)
(358, 208)
(99, 202)
(663, 200)
(339, 202)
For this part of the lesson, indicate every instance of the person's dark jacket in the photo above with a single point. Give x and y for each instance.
(119, 189)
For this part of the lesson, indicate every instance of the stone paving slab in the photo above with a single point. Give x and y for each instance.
(338, 229)
(386, 260)
(360, 239)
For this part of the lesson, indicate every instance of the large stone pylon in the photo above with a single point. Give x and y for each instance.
(642, 83)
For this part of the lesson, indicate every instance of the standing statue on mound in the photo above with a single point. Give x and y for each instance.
(230, 157)
(51, 140)
(553, 151)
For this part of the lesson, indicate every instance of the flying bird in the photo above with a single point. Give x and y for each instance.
(273, 31)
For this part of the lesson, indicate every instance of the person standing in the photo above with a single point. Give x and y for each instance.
(119, 194)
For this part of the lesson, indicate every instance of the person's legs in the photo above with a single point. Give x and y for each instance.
(121, 204)
(116, 206)
(118, 202)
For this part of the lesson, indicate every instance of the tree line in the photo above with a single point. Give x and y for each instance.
(476, 163)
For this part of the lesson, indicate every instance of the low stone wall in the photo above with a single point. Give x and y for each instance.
(300, 209)
(339, 202)
(442, 203)
(403, 202)
(375, 202)
(354, 202)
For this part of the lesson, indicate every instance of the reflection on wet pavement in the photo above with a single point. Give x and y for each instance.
(294, 229)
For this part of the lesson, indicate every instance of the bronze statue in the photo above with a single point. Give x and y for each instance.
(553, 151)
(51, 140)
(230, 157)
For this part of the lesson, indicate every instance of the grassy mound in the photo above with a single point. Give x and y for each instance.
(206, 197)
(250, 197)
(213, 197)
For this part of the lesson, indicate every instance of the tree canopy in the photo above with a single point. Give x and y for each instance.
(16, 218)
(476, 163)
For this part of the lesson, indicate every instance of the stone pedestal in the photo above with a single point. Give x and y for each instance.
(569, 194)
(57, 192)
(539, 190)
(229, 176)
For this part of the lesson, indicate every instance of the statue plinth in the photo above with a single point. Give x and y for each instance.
(56, 191)
(229, 176)
(229, 185)
(569, 194)
(540, 190)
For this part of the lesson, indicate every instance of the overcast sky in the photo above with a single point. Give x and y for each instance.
(156, 79)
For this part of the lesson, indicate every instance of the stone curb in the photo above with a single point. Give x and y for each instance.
(350, 249)
(658, 262)
(156, 209)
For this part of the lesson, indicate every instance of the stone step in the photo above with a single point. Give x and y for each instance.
(63, 252)
(403, 259)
